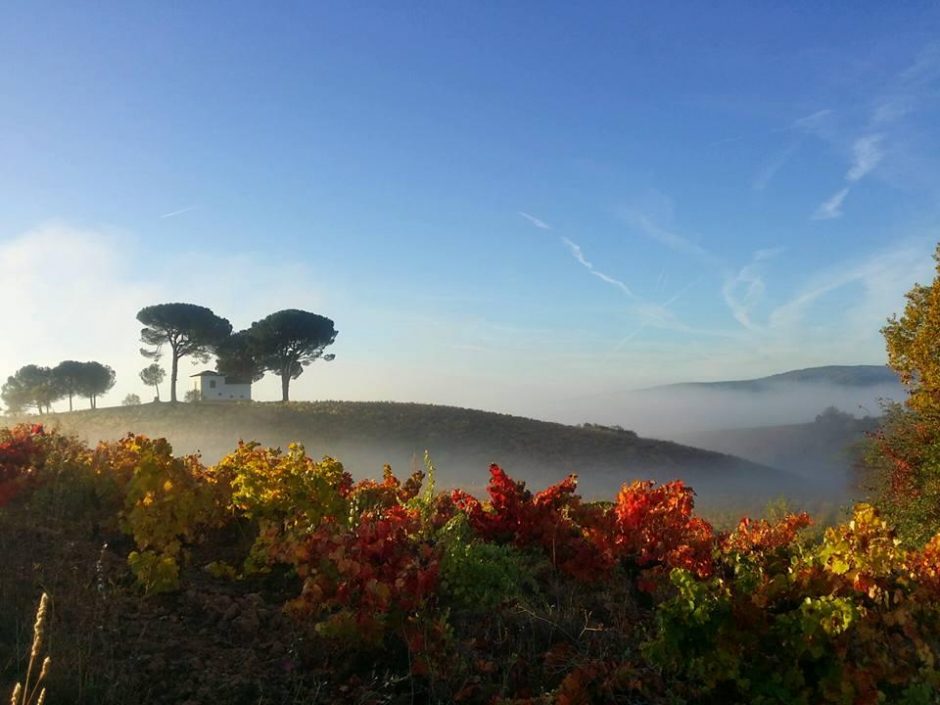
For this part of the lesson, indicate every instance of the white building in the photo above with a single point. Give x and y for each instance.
(212, 386)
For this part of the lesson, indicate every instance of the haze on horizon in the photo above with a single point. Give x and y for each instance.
(523, 209)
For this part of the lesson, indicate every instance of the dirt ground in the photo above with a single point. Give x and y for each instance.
(216, 641)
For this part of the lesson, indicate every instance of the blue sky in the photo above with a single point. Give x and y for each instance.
(511, 206)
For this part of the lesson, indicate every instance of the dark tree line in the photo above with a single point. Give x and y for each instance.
(283, 343)
(40, 387)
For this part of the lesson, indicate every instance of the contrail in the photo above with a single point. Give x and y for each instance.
(578, 254)
(179, 212)
(537, 222)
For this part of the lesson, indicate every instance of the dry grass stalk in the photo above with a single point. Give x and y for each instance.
(22, 695)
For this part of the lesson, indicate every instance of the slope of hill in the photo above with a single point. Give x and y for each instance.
(462, 442)
(824, 451)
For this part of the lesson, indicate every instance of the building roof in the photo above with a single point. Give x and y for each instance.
(227, 380)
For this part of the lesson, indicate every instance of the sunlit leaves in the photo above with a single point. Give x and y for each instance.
(913, 343)
(761, 614)
(21, 451)
(368, 578)
(168, 503)
(849, 619)
(656, 526)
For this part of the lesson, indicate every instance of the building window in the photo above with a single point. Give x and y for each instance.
(211, 384)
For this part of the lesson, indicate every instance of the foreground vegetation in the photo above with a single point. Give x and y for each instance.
(272, 577)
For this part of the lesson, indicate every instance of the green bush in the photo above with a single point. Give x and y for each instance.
(476, 574)
(902, 462)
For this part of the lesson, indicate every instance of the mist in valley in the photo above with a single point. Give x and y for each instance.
(680, 411)
(782, 449)
(775, 424)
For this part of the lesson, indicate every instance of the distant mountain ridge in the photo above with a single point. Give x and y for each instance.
(858, 376)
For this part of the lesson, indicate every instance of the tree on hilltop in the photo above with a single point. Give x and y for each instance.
(153, 375)
(31, 385)
(832, 416)
(96, 380)
(187, 328)
(237, 358)
(68, 374)
(287, 341)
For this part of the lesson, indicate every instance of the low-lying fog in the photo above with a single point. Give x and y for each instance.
(677, 411)
(773, 426)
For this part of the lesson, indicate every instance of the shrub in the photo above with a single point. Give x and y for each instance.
(361, 582)
(285, 495)
(903, 465)
(168, 503)
(477, 575)
(22, 456)
(841, 622)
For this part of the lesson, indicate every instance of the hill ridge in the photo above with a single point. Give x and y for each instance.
(463, 442)
(840, 375)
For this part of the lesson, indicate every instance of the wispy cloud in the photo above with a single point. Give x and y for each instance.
(867, 152)
(661, 279)
(883, 275)
(537, 222)
(813, 121)
(669, 238)
(661, 315)
(925, 69)
(741, 289)
(769, 171)
(816, 123)
(173, 214)
(766, 326)
(578, 254)
(650, 314)
(808, 123)
(891, 109)
(744, 290)
(832, 207)
(885, 121)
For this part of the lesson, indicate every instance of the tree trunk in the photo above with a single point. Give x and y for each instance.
(174, 368)
(157, 390)
(70, 402)
(285, 384)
